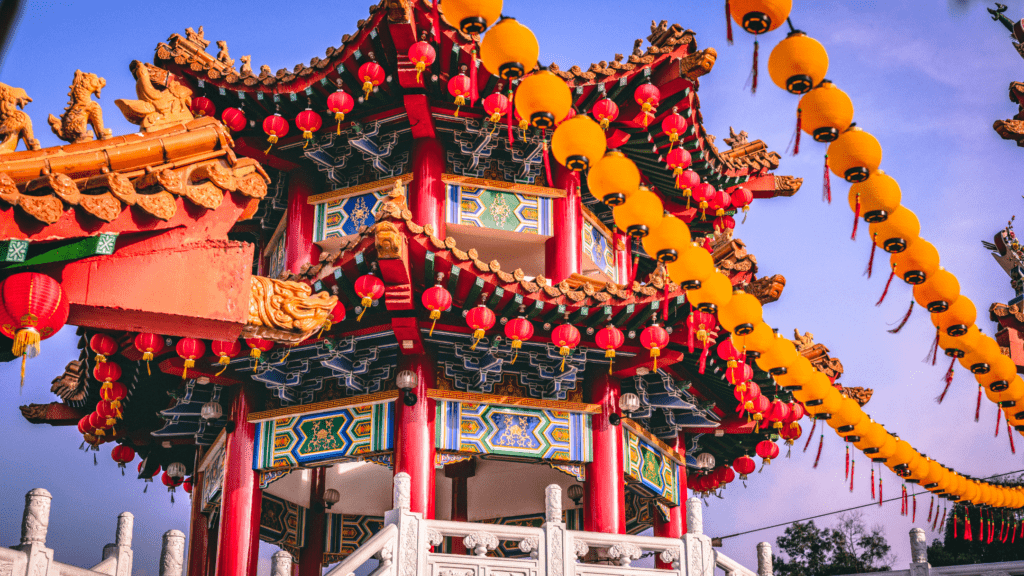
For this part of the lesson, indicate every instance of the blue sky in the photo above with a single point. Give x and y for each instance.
(926, 79)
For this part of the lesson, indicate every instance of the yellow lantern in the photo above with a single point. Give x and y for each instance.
(509, 50)
(741, 313)
(884, 451)
(873, 436)
(471, 16)
(897, 232)
(1008, 396)
(1014, 417)
(1001, 372)
(917, 262)
(825, 407)
(760, 16)
(667, 239)
(640, 214)
(979, 358)
(825, 112)
(902, 456)
(919, 468)
(938, 292)
(714, 292)
(577, 142)
(798, 63)
(757, 341)
(854, 155)
(846, 417)
(691, 267)
(781, 354)
(958, 346)
(803, 380)
(960, 316)
(875, 198)
(544, 99)
(613, 178)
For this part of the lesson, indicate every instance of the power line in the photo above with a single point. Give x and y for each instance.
(873, 503)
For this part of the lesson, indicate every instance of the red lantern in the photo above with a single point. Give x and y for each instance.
(225, 351)
(171, 483)
(122, 455)
(566, 337)
(746, 395)
(234, 119)
(686, 182)
(609, 339)
(654, 338)
(150, 345)
(340, 103)
(103, 345)
(480, 319)
(744, 465)
(761, 406)
(459, 87)
(673, 125)
(496, 105)
(337, 316)
(84, 427)
(98, 424)
(739, 375)
(258, 347)
(106, 410)
(703, 195)
(275, 127)
(369, 288)
(436, 299)
(189, 349)
(719, 202)
(724, 223)
(767, 450)
(790, 433)
(114, 394)
(422, 55)
(700, 326)
(371, 75)
(678, 160)
(741, 198)
(34, 308)
(150, 477)
(647, 96)
(725, 475)
(777, 413)
(106, 372)
(309, 122)
(605, 111)
(187, 485)
(203, 106)
(517, 330)
(796, 412)
(728, 352)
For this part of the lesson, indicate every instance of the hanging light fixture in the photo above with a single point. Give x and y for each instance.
(471, 16)
(543, 99)
(509, 50)
(897, 232)
(798, 63)
(578, 142)
(760, 16)
(640, 214)
(211, 411)
(629, 402)
(705, 460)
(825, 112)
(854, 155)
(406, 382)
(613, 178)
(957, 318)
(916, 263)
(662, 243)
(874, 199)
(331, 497)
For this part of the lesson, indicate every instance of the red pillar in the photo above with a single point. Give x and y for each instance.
(198, 532)
(211, 555)
(623, 262)
(238, 545)
(299, 247)
(427, 190)
(460, 473)
(604, 496)
(675, 526)
(563, 252)
(414, 434)
(311, 556)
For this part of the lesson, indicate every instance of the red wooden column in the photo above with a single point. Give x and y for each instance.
(563, 252)
(623, 262)
(460, 473)
(675, 526)
(198, 531)
(414, 434)
(238, 544)
(299, 248)
(427, 190)
(311, 556)
(604, 497)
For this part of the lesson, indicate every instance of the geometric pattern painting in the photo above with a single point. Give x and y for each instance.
(344, 216)
(282, 522)
(337, 435)
(648, 471)
(498, 210)
(346, 532)
(513, 431)
(599, 249)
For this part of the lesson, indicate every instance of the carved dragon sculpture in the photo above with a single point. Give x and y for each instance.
(15, 124)
(81, 111)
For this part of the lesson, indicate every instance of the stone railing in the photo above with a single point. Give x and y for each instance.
(919, 565)
(405, 547)
(33, 557)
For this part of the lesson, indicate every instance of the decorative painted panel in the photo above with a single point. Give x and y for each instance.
(213, 477)
(598, 248)
(650, 472)
(346, 532)
(498, 210)
(338, 435)
(276, 249)
(344, 216)
(282, 522)
(513, 431)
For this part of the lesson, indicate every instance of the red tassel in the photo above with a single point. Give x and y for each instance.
(930, 506)
(999, 420)
(872, 482)
(799, 129)
(847, 462)
(905, 319)
(437, 23)
(1009, 434)
(856, 218)
(826, 190)
(948, 378)
(903, 502)
(814, 424)
(886, 291)
(853, 469)
(704, 357)
(511, 113)
(943, 518)
(871, 260)
(547, 162)
(728, 23)
(821, 442)
(977, 410)
(691, 334)
(753, 84)
(474, 93)
(967, 526)
(913, 515)
(954, 523)
(933, 353)
(879, 490)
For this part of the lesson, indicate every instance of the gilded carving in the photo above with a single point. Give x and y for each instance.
(699, 63)
(81, 111)
(858, 394)
(8, 190)
(156, 108)
(46, 209)
(103, 206)
(15, 124)
(160, 204)
(223, 56)
(288, 307)
(767, 288)
(246, 69)
(253, 186)
(388, 241)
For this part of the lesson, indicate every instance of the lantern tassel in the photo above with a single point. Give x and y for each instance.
(847, 475)
(967, 526)
(821, 443)
(434, 315)
(856, 218)
(728, 23)
(999, 420)
(794, 142)
(948, 378)
(21, 386)
(610, 354)
(478, 335)
(930, 505)
(954, 524)
(511, 112)
(547, 162)
(977, 409)
(273, 140)
(1009, 434)
(871, 261)
(339, 116)
(853, 469)
(690, 333)
(188, 364)
(886, 291)
(933, 354)
(810, 436)
(753, 71)
(906, 317)
(913, 513)
(906, 508)
(224, 361)
(473, 88)
(703, 358)
(826, 189)
(880, 499)
(872, 482)
(94, 462)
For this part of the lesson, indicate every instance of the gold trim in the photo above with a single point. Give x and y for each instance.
(327, 405)
(359, 189)
(474, 398)
(666, 450)
(527, 189)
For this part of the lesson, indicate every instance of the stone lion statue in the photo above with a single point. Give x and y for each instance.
(81, 111)
(15, 124)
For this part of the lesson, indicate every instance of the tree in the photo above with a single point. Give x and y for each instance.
(848, 548)
(952, 551)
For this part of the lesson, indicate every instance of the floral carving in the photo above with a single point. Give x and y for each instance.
(625, 553)
(530, 546)
(480, 543)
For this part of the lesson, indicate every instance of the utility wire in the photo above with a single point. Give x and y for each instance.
(873, 503)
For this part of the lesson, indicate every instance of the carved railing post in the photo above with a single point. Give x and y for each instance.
(34, 524)
(172, 554)
(402, 498)
(121, 549)
(557, 549)
(281, 564)
(125, 527)
(919, 565)
(553, 503)
(764, 559)
(698, 556)
(409, 555)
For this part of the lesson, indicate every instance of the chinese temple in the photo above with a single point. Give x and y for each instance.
(414, 324)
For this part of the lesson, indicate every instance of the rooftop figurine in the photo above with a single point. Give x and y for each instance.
(81, 111)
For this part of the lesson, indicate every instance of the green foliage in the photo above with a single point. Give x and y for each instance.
(950, 551)
(848, 548)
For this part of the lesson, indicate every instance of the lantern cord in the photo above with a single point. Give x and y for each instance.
(977, 409)
(437, 23)
(94, 463)
(856, 218)
(886, 291)
(799, 128)
(811, 434)
(821, 443)
(728, 23)
(473, 89)
(944, 510)
(21, 387)
(999, 420)
(948, 378)
(1009, 434)
(871, 261)
(906, 317)
(880, 500)
(826, 187)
